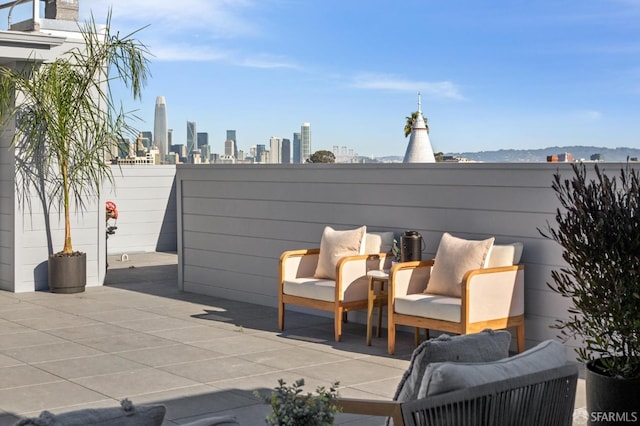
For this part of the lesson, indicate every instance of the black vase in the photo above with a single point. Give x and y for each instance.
(611, 400)
(67, 273)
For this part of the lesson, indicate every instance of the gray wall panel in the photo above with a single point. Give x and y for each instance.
(237, 219)
(145, 196)
(7, 206)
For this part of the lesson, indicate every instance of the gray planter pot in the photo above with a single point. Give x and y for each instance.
(611, 400)
(67, 273)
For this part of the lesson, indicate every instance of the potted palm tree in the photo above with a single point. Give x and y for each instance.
(66, 121)
(598, 228)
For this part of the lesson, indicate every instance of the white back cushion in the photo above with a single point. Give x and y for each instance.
(454, 258)
(336, 245)
(378, 242)
(505, 255)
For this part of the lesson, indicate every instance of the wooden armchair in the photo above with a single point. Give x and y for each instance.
(540, 398)
(348, 291)
(491, 297)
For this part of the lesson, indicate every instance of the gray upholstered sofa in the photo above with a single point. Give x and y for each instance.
(127, 414)
(471, 380)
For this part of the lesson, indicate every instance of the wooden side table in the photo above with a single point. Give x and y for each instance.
(378, 297)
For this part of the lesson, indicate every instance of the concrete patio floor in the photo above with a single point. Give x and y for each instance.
(141, 338)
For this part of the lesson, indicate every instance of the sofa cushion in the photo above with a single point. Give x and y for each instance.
(378, 242)
(313, 288)
(335, 245)
(454, 258)
(214, 421)
(125, 415)
(429, 305)
(478, 347)
(444, 377)
(505, 255)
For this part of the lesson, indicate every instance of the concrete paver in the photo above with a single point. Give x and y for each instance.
(140, 337)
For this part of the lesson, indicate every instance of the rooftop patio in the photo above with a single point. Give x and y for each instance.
(140, 337)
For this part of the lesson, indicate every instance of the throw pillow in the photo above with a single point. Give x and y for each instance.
(454, 258)
(485, 346)
(126, 415)
(214, 421)
(505, 255)
(378, 242)
(335, 245)
(441, 377)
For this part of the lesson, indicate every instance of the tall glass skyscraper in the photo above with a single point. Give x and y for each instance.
(297, 151)
(286, 151)
(305, 142)
(160, 130)
(191, 136)
(203, 139)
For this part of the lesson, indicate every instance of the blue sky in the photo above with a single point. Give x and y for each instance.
(493, 74)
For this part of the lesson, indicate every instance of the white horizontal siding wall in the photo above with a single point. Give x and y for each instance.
(234, 221)
(32, 249)
(146, 201)
(145, 196)
(7, 214)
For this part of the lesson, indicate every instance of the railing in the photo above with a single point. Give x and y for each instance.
(12, 4)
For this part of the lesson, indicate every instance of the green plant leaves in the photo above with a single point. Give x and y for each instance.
(292, 408)
(598, 226)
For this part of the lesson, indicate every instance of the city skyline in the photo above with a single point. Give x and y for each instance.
(494, 75)
(198, 142)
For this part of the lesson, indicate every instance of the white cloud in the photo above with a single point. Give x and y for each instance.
(266, 62)
(186, 52)
(587, 115)
(219, 18)
(188, 30)
(442, 89)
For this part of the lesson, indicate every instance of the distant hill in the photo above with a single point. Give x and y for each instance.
(540, 155)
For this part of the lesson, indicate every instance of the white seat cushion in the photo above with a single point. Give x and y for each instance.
(429, 306)
(313, 288)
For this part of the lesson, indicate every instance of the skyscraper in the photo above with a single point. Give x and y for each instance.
(191, 136)
(160, 129)
(305, 142)
(230, 148)
(203, 139)
(286, 151)
(147, 139)
(275, 154)
(260, 149)
(297, 152)
(231, 135)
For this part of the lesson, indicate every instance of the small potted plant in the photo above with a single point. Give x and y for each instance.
(293, 408)
(598, 228)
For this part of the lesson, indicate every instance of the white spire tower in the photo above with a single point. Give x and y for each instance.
(419, 149)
